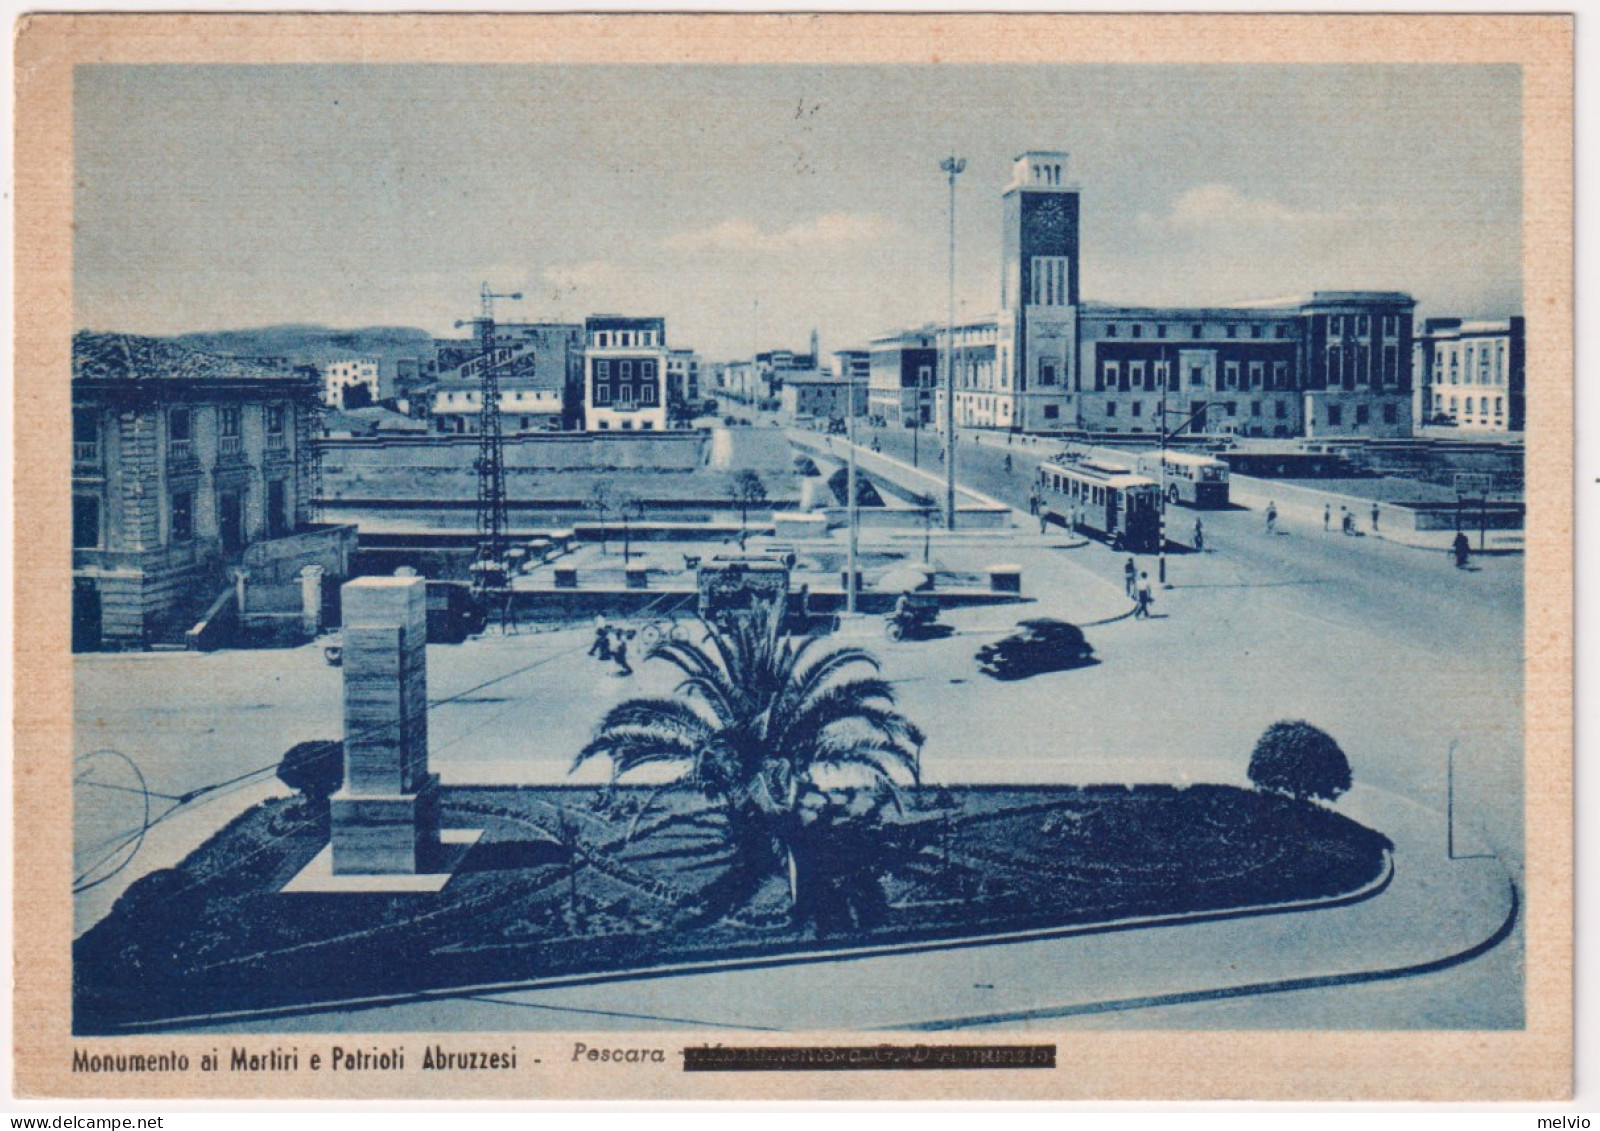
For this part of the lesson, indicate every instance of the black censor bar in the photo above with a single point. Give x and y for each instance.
(863, 1058)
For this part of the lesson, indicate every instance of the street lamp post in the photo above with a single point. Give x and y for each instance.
(952, 166)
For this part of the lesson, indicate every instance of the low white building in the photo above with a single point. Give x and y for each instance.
(342, 376)
(1472, 374)
(457, 408)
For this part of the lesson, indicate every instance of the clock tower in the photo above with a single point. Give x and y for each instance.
(1039, 290)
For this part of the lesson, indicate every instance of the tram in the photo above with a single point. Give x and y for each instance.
(1193, 480)
(1106, 501)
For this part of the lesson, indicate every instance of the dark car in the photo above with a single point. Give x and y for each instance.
(1040, 645)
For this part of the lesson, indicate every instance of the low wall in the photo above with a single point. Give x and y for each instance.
(1424, 525)
(561, 451)
(903, 484)
(280, 560)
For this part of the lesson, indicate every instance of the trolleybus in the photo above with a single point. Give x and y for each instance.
(1191, 479)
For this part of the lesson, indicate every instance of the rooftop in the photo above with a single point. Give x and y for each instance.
(131, 357)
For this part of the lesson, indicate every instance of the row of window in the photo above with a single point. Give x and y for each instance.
(627, 426)
(88, 533)
(1471, 406)
(628, 396)
(180, 431)
(607, 339)
(603, 369)
(1197, 330)
(1156, 375)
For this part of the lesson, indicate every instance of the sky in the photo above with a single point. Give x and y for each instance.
(750, 205)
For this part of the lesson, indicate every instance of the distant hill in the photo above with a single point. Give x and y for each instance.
(307, 344)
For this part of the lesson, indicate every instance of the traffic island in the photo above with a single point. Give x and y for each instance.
(584, 884)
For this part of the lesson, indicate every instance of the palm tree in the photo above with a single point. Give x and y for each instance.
(748, 491)
(756, 719)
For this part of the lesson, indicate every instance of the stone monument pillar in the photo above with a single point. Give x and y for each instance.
(386, 818)
(311, 600)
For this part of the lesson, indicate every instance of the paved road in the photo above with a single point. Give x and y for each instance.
(1414, 653)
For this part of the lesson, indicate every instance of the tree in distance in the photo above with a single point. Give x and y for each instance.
(748, 491)
(1297, 758)
(599, 501)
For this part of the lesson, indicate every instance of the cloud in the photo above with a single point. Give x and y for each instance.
(1215, 207)
(827, 232)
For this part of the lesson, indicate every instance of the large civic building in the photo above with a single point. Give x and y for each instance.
(1332, 364)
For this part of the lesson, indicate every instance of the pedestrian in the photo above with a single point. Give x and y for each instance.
(1043, 518)
(1130, 577)
(1272, 517)
(1347, 522)
(1008, 463)
(619, 652)
(1199, 536)
(1327, 517)
(1145, 598)
(1461, 548)
(1374, 518)
(601, 648)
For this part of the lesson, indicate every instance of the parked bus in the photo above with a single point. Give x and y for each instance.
(1191, 479)
(1107, 502)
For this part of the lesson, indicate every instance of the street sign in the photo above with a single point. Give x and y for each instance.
(1473, 484)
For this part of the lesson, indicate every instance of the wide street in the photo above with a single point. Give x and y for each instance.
(1390, 649)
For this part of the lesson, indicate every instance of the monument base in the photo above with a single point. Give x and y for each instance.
(318, 877)
(393, 834)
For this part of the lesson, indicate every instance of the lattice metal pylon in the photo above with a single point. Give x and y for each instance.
(489, 569)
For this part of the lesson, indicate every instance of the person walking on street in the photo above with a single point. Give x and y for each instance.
(619, 653)
(1374, 518)
(601, 648)
(1327, 517)
(1461, 548)
(1199, 536)
(1130, 577)
(1272, 518)
(1008, 463)
(1145, 598)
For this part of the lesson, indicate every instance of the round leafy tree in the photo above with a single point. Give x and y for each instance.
(313, 769)
(1299, 759)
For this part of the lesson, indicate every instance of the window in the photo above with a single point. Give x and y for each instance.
(1197, 375)
(1164, 375)
(278, 525)
(602, 394)
(1390, 413)
(925, 375)
(1136, 374)
(1390, 328)
(602, 369)
(1335, 414)
(1138, 408)
(231, 443)
(1232, 330)
(1111, 408)
(1281, 332)
(1498, 405)
(1391, 363)
(275, 437)
(1161, 330)
(85, 522)
(182, 511)
(179, 429)
(625, 370)
(1231, 408)
(1336, 324)
(1052, 411)
(1280, 374)
(1280, 410)
(1112, 371)
(1363, 413)
(1255, 408)
(1362, 325)
(1255, 330)
(85, 436)
(647, 370)
(1138, 330)
(1257, 372)
(1230, 375)
(1111, 329)
(647, 395)
(1047, 373)
(1196, 330)
(647, 425)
